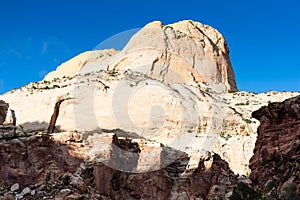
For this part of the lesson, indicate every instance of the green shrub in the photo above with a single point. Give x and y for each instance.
(243, 192)
(46, 87)
(242, 104)
(290, 192)
(66, 179)
(248, 121)
(55, 86)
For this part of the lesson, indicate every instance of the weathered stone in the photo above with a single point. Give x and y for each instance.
(62, 194)
(78, 183)
(75, 65)
(74, 196)
(37, 158)
(3, 111)
(276, 153)
(14, 187)
(8, 197)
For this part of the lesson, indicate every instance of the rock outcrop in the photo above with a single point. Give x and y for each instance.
(138, 90)
(7, 115)
(275, 162)
(62, 164)
(73, 66)
(183, 52)
(3, 111)
(37, 159)
(96, 96)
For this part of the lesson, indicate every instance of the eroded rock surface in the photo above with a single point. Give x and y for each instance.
(171, 84)
(185, 51)
(64, 164)
(3, 111)
(275, 162)
(74, 66)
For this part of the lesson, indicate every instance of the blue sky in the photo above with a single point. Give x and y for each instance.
(263, 36)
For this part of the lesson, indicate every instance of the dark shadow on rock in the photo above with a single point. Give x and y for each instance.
(155, 184)
(45, 158)
(124, 154)
(30, 127)
(122, 133)
(38, 158)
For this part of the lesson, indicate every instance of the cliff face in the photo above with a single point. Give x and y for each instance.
(3, 111)
(65, 164)
(185, 51)
(276, 158)
(167, 88)
(168, 84)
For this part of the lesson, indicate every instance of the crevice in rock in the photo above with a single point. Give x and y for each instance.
(51, 127)
(152, 66)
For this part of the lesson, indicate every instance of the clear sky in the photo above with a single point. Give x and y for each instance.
(263, 36)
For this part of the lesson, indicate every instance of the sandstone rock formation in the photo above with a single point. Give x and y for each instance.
(7, 115)
(3, 111)
(169, 85)
(92, 107)
(275, 162)
(183, 52)
(36, 159)
(61, 164)
(75, 65)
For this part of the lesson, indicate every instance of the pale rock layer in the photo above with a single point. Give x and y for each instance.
(169, 85)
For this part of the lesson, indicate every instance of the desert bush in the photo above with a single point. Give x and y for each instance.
(242, 103)
(244, 192)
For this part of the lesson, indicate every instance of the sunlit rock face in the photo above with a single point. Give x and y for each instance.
(185, 51)
(169, 84)
(74, 66)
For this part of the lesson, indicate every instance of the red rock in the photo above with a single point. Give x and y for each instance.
(277, 146)
(9, 197)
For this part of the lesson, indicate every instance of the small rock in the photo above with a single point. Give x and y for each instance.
(227, 195)
(26, 191)
(23, 193)
(245, 180)
(14, 187)
(62, 194)
(74, 196)
(19, 196)
(78, 183)
(32, 192)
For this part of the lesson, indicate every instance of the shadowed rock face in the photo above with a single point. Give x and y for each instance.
(36, 159)
(7, 116)
(52, 164)
(3, 111)
(277, 150)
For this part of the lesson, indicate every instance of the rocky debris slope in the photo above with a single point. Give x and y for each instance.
(275, 163)
(67, 166)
